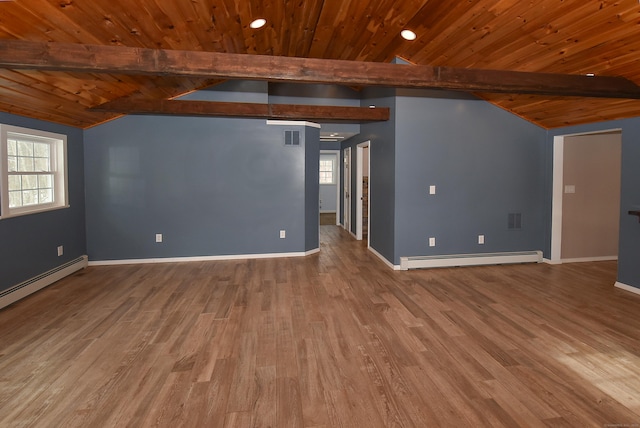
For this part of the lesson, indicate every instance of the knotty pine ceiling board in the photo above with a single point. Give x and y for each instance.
(565, 111)
(551, 36)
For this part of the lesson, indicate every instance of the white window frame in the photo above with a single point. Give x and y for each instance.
(58, 169)
(333, 168)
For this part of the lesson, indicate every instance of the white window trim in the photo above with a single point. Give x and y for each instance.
(61, 192)
(333, 168)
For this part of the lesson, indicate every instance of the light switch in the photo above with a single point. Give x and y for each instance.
(570, 188)
(432, 190)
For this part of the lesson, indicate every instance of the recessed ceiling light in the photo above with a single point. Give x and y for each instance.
(408, 35)
(591, 74)
(372, 106)
(258, 23)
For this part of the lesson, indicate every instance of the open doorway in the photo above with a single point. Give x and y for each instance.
(346, 191)
(329, 187)
(586, 197)
(363, 191)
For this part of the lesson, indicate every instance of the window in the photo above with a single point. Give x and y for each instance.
(33, 171)
(327, 169)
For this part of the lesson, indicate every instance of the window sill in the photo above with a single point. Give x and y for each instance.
(34, 211)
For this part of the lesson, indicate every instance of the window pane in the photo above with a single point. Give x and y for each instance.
(326, 177)
(12, 149)
(29, 182)
(25, 148)
(46, 196)
(44, 181)
(42, 164)
(15, 199)
(14, 183)
(13, 163)
(41, 150)
(29, 197)
(25, 164)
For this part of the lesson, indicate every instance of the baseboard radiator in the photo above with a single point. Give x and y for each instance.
(453, 260)
(36, 283)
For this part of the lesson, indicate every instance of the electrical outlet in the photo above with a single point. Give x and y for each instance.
(432, 190)
(60, 250)
(432, 242)
(158, 237)
(480, 239)
(283, 234)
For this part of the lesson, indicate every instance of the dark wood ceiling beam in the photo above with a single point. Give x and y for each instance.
(18, 54)
(253, 110)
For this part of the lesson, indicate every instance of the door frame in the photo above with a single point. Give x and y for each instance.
(359, 189)
(558, 191)
(338, 181)
(346, 189)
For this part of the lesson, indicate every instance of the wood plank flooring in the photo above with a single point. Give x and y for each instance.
(336, 339)
(327, 219)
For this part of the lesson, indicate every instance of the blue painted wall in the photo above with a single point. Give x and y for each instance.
(382, 179)
(235, 91)
(312, 187)
(211, 186)
(629, 247)
(485, 164)
(318, 94)
(29, 243)
(217, 186)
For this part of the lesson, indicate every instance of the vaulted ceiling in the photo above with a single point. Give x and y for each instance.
(548, 36)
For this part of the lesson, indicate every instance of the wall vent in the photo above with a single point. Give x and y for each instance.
(291, 138)
(515, 221)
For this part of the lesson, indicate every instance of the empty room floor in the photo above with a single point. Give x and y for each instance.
(336, 339)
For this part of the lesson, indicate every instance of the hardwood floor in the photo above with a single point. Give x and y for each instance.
(327, 219)
(336, 339)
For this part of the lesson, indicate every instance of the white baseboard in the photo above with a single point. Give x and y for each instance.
(626, 287)
(454, 260)
(581, 260)
(589, 259)
(200, 258)
(41, 281)
(384, 259)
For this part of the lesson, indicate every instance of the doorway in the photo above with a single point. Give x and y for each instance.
(329, 187)
(363, 191)
(586, 196)
(346, 191)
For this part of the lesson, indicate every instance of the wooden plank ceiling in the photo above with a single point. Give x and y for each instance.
(545, 36)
